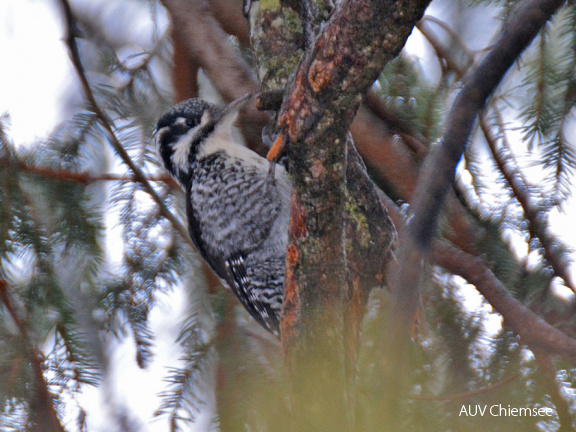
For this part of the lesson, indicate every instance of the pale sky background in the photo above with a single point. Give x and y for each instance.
(36, 76)
(34, 67)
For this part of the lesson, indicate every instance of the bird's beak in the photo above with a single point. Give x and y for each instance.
(240, 102)
(236, 105)
(230, 112)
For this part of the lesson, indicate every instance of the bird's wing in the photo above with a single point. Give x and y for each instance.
(233, 272)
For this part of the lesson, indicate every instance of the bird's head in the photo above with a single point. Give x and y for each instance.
(187, 126)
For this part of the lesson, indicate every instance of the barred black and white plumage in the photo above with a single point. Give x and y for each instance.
(237, 208)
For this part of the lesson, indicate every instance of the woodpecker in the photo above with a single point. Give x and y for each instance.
(237, 204)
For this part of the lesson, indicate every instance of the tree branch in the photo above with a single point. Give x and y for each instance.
(534, 331)
(209, 49)
(231, 17)
(518, 31)
(45, 415)
(536, 218)
(443, 52)
(81, 177)
(108, 127)
(207, 45)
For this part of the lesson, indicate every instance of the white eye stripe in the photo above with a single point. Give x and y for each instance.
(182, 147)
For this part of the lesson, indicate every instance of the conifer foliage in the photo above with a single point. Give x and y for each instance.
(476, 312)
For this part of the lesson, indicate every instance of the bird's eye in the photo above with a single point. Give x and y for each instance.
(191, 122)
(180, 129)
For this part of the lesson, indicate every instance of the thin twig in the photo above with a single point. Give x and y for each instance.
(442, 51)
(82, 177)
(108, 127)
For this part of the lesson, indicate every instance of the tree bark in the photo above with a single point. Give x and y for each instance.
(318, 108)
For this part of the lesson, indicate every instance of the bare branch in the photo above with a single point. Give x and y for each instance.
(395, 165)
(207, 44)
